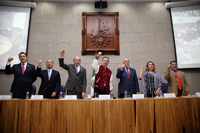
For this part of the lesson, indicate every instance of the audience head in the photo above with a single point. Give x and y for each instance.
(105, 61)
(77, 61)
(23, 57)
(49, 64)
(150, 66)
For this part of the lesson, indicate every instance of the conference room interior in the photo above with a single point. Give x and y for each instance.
(145, 35)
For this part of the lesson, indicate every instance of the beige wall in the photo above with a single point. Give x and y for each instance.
(145, 34)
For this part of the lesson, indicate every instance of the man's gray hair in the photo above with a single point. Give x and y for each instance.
(106, 58)
(75, 57)
(51, 60)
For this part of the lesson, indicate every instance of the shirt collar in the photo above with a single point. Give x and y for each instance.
(126, 68)
(49, 70)
(77, 66)
(103, 66)
(24, 63)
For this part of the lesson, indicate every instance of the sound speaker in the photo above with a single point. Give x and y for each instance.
(100, 4)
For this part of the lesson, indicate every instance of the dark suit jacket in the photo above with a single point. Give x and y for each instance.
(75, 80)
(129, 84)
(21, 83)
(47, 86)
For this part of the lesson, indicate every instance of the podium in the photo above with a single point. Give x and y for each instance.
(166, 115)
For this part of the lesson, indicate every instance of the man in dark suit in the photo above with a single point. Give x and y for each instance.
(128, 79)
(24, 76)
(76, 83)
(50, 84)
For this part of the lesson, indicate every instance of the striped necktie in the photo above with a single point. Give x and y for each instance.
(23, 69)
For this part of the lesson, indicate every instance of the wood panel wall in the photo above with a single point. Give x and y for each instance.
(176, 115)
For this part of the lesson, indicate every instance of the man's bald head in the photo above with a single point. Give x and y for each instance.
(126, 62)
(77, 61)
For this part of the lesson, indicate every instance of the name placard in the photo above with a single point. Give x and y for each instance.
(104, 97)
(197, 94)
(36, 97)
(70, 97)
(138, 96)
(169, 95)
(5, 97)
(89, 97)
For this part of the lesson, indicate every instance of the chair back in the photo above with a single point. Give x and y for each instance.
(165, 87)
(62, 88)
(33, 89)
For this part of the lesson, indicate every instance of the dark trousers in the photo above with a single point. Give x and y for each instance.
(74, 92)
(120, 95)
(180, 92)
(100, 91)
(19, 95)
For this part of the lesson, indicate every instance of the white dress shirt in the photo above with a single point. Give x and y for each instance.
(25, 65)
(77, 68)
(49, 71)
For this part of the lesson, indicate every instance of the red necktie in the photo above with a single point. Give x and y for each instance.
(179, 81)
(22, 68)
(127, 72)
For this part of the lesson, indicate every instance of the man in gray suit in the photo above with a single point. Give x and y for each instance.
(76, 83)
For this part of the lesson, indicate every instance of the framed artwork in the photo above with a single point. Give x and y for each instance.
(100, 32)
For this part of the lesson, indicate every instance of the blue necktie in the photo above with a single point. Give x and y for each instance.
(76, 70)
(49, 74)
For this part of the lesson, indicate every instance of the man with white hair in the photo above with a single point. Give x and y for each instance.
(128, 79)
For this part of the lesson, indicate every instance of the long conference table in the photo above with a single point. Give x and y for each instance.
(149, 115)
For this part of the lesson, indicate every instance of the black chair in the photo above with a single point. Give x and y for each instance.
(33, 89)
(62, 88)
(165, 88)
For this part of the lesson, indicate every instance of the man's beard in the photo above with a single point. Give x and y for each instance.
(49, 67)
(174, 68)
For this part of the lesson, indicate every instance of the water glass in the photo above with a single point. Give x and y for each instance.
(129, 94)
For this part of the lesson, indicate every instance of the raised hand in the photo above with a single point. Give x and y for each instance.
(142, 67)
(10, 59)
(141, 72)
(169, 67)
(39, 63)
(62, 52)
(99, 54)
(122, 66)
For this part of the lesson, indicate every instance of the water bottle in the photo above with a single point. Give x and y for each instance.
(27, 95)
(61, 95)
(111, 94)
(125, 95)
(161, 94)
